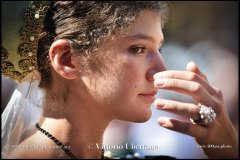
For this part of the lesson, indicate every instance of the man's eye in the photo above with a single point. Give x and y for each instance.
(137, 49)
(160, 50)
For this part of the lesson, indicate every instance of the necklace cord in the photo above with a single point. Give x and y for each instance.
(63, 147)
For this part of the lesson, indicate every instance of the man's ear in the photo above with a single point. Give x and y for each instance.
(62, 59)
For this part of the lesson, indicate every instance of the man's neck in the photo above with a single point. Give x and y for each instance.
(81, 128)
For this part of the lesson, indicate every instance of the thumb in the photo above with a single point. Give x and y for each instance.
(192, 67)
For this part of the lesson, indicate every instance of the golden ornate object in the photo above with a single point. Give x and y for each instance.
(24, 58)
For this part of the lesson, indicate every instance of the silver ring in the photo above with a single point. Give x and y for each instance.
(206, 115)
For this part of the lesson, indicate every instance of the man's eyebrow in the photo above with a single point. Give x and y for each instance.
(143, 36)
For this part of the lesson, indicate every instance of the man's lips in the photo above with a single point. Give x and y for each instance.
(149, 95)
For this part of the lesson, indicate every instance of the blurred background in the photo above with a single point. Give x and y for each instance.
(203, 32)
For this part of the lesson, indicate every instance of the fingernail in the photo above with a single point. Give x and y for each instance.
(158, 75)
(159, 103)
(191, 63)
(159, 82)
(162, 121)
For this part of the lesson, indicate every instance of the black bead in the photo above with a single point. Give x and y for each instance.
(59, 143)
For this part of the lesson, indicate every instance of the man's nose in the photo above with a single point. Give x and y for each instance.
(157, 65)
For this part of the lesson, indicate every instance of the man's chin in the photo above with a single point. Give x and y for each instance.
(144, 118)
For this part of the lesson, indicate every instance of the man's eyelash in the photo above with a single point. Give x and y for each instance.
(141, 49)
(137, 49)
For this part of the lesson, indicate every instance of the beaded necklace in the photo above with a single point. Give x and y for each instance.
(63, 147)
